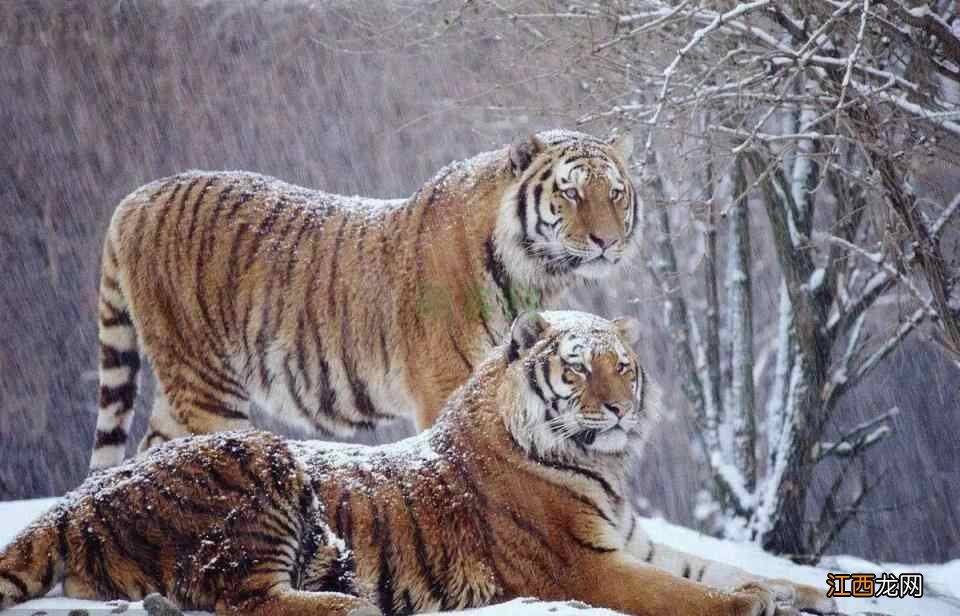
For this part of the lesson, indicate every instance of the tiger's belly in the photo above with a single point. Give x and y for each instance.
(329, 396)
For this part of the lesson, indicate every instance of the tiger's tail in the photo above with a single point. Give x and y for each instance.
(119, 364)
(34, 561)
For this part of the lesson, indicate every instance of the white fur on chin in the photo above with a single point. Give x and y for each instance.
(596, 270)
(611, 441)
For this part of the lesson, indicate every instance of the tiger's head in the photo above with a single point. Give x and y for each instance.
(579, 386)
(571, 208)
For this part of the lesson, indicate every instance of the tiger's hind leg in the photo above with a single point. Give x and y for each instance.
(268, 589)
(302, 567)
(196, 414)
(163, 426)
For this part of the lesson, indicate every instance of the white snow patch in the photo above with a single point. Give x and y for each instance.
(816, 279)
(941, 590)
(733, 478)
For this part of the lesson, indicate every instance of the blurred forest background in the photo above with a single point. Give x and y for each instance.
(372, 98)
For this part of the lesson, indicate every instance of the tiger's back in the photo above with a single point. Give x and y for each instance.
(221, 280)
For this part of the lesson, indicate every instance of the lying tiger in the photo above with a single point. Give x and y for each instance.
(518, 490)
(241, 288)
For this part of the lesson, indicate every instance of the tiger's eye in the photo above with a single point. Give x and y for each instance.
(615, 194)
(571, 193)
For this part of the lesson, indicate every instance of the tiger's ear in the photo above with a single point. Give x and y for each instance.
(623, 145)
(628, 328)
(522, 154)
(524, 333)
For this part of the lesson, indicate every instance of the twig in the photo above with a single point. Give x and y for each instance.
(905, 328)
(695, 40)
(863, 436)
(660, 18)
(945, 216)
(878, 259)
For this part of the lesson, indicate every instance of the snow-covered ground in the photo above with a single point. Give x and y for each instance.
(941, 583)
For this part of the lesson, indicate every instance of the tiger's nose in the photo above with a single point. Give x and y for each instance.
(601, 242)
(617, 408)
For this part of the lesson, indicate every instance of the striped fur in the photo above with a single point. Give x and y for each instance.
(339, 313)
(227, 523)
(520, 489)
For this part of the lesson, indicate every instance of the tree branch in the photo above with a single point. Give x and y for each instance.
(741, 411)
(871, 362)
(945, 217)
(860, 438)
(879, 260)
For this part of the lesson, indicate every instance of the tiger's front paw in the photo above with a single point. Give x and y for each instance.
(802, 597)
(366, 610)
(761, 599)
(361, 607)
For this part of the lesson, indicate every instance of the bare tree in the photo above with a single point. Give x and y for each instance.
(805, 125)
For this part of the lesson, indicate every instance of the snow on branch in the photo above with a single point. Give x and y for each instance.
(696, 39)
(658, 19)
(945, 217)
(770, 492)
(892, 342)
(734, 480)
(852, 58)
(853, 309)
(859, 439)
(932, 23)
(879, 260)
(777, 400)
(939, 120)
(750, 136)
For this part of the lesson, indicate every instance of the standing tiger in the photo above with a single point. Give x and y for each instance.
(338, 313)
(518, 490)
